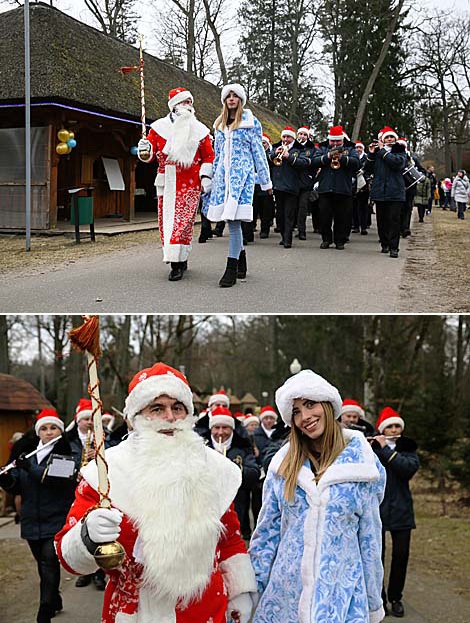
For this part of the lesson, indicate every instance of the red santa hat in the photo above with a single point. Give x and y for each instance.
(48, 416)
(387, 131)
(108, 420)
(267, 410)
(403, 141)
(176, 96)
(221, 396)
(350, 405)
(359, 144)
(267, 138)
(309, 385)
(83, 409)
(304, 128)
(251, 419)
(288, 131)
(239, 416)
(221, 417)
(156, 381)
(237, 89)
(336, 133)
(387, 417)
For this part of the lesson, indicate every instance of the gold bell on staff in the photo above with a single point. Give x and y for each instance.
(109, 555)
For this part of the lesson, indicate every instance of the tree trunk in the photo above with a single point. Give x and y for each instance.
(75, 370)
(375, 72)
(218, 47)
(272, 58)
(4, 350)
(191, 38)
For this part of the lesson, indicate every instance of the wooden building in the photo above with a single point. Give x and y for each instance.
(76, 85)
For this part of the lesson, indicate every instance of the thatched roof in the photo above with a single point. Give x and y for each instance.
(19, 395)
(72, 62)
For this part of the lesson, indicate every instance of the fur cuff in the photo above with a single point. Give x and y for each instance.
(267, 186)
(376, 616)
(206, 169)
(238, 575)
(75, 554)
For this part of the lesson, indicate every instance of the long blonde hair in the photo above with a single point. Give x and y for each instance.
(222, 120)
(301, 448)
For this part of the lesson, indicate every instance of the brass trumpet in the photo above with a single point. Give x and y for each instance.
(277, 160)
(335, 156)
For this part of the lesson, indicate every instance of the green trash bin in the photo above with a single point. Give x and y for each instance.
(82, 211)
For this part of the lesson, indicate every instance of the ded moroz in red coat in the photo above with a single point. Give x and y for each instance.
(179, 183)
(127, 599)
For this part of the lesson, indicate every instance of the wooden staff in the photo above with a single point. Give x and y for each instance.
(142, 87)
(87, 339)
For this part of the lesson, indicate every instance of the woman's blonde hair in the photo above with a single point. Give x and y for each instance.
(301, 449)
(222, 120)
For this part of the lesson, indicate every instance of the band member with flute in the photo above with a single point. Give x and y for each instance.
(182, 146)
(172, 511)
(398, 455)
(339, 162)
(46, 499)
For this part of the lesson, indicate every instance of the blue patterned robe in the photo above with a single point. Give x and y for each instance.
(238, 154)
(318, 559)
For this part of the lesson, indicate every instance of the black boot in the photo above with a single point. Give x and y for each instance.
(45, 613)
(229, 278)
(176, 272)
(242, 268)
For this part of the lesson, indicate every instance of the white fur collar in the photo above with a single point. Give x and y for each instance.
(164, 127)
(364, 470)
(248, 121)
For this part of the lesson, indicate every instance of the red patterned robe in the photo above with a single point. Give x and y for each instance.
(178, 187)
(126, 599)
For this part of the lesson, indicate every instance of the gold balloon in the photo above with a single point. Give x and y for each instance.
(62, 149)
(63, 135)
(71, 135)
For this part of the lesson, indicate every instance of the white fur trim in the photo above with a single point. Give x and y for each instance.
(239, 576)
(268, 412)
(288, 133)
(221, 420)
(219, 398)
(206, 169)
(151, 610)
(237, 89)
(248, 120)
(176, 252)
(160, 181)
(389, 421)
(306, 384)
(178, 98)
(266, 186)
(158, 385)
(168, 208)
(303, 129)
(83, 414)
(74, 552)
(389, 134)
(375, 616)
(353, 408)
(48, 419)
(164, 128)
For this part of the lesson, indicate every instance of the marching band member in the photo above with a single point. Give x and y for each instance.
(338, 160)
(410, 193)
(361, 195)
(183, 148)
(238, 154)
(305, 182)
(263, 203)
(171, 510)
(386, 160)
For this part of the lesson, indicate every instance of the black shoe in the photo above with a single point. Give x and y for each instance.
(176, 272)
(219, 234)
(364, 232)
(17, 518)
(229, 278)
(355, 230)
(281, 242)
(83, 580)
(393, 252)
(421, 220)
(242, 267)
(45, 613)
(99, 581)
(325, 245)
(287, 245)
(340, 247)
(58, 605)
(302, 237)
(264, 234)
(384, 249)
(202, 239)
(184, 265)
(386, 610)
(397, 609)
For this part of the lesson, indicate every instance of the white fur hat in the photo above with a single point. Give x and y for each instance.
(237, 89)
(156, 381)
(306, 384)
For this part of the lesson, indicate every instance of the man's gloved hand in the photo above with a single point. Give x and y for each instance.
(23, 463)
(144, 147)
(239, 608)
(206, 184)
(104, 525)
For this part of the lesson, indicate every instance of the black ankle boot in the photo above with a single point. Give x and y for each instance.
(229, 278)
(176, 272)
(242, 268)
(45, 613)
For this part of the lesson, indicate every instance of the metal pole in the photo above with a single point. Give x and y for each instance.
(27, 94)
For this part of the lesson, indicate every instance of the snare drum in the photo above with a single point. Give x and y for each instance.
(412, 175)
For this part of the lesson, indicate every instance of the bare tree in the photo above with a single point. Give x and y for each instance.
(115, 17)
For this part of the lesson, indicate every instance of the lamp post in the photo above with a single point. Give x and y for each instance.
(27, 93)
(295, 366)
(265, 395)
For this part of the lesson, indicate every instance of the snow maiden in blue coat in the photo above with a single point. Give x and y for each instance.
(316, 549)
(239, 154)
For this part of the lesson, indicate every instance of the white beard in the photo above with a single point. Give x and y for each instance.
(182, 145)
(174, 506)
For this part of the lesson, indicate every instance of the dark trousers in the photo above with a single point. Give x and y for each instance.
(360, 213)
(248, 232)
(336, 209)
(421, 211)
(48, 569)
(263, 206)
(400, 554)
(388, 214)
(206, 228)
(286, 210)
(255, 493)
(407, 208)
(315, 208)
(302, 211)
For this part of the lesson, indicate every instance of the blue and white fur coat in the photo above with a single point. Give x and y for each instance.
(239, 154)
(318, 559)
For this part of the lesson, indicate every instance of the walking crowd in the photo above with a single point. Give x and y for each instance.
(244, 178)
(311, 485)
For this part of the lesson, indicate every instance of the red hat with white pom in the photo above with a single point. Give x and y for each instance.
(352, 405)
(288, 131)
(176, 96)
(387, 417)
(48, 416)
(267, 410)
(336, 133)
(387, 131)
(221, 417)
(220, 396)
